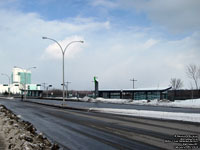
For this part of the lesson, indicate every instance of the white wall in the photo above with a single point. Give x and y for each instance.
(13, 89)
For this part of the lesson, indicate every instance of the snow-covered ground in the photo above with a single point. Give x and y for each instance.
(191, 117)
(190, 103)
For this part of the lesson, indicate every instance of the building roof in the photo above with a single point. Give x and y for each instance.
(136, 89)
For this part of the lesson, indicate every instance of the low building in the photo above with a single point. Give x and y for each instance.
(135, 94)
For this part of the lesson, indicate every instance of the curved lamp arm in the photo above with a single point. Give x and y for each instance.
(70, 44)
(55, 42)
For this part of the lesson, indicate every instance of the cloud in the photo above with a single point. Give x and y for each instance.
(104, 3)
(163, 60)
(22, 44)
(112, 52)
(179, 16)
(54, 51)
(149, 43)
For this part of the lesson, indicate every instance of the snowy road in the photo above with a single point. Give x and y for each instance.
(87, 130)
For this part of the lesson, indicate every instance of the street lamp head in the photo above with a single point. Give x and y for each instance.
(44, 37)
(82, 41)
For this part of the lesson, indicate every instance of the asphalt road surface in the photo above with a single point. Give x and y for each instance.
(82, 130)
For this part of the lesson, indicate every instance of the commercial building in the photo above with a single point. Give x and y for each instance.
(20, 82)
(135, 94)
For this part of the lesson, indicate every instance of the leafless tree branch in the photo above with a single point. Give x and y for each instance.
(193, 72)
(176, 83)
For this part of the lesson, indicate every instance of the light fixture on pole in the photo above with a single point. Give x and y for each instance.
(63, 58)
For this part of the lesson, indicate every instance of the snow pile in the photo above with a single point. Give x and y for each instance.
(190, 103)
(191, 117)
(86, 99)
(19, 134)
(118, 101)
(103, 100)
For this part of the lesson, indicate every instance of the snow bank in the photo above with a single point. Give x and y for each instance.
(191, 117)
(19, 134)
(118, 101)
(190, 103)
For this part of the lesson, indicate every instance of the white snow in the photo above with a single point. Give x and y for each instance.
(191, 103)
(138, 89)
(118, 101)
(192, 117)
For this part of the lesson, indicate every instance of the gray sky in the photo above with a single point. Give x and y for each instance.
(150, 40)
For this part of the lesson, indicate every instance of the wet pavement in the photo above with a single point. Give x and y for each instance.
(81, 130)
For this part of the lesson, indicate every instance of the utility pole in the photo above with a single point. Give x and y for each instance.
(44, 85)
(133, 80)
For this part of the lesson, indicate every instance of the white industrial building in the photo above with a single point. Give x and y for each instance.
(19, 81)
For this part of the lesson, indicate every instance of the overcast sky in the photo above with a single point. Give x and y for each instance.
(150, 40)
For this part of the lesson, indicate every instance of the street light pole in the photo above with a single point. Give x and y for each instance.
(63, 59)
(8, 82)
(47, 92)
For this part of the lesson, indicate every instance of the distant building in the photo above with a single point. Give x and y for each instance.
(20, 80)
(21, 76)
(135, 94)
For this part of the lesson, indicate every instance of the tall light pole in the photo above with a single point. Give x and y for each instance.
(25, 77)
(63, 58)
(8, 82)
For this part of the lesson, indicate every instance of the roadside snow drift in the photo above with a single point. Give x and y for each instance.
(19, 134)
(191, 117)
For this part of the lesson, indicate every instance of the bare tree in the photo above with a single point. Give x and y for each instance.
(193, 72)
(176, 83)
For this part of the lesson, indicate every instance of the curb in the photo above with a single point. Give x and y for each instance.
(59, 106)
